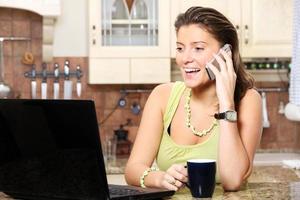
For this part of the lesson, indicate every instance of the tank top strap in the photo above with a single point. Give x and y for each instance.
(173, 101)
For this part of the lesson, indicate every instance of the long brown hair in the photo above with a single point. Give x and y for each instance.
(225, 33)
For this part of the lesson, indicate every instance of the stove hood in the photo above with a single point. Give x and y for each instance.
(49, 10)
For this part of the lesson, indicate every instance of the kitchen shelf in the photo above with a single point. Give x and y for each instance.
(262, 75)
(132, 21)
(270, 75)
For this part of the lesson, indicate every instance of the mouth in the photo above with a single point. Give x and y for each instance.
(191, 70)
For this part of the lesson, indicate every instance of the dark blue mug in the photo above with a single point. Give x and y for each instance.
(202, 177)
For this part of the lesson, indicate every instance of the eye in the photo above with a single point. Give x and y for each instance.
(179, 49)
(199, 49)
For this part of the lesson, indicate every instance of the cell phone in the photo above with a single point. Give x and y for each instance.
(211, 75)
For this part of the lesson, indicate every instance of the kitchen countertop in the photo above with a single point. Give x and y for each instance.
(266, 182)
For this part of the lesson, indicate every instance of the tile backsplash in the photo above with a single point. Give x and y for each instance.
(282, 134)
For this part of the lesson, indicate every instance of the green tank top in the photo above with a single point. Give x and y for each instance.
(169, 152)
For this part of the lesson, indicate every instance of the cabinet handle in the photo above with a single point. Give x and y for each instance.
(246, 34)
(237, 27)
(93, 33)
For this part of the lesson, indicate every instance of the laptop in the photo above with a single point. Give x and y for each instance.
(51, 149)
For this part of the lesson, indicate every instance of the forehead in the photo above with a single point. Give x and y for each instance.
(192, 33)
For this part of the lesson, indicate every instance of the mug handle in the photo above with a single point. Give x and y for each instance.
(187, 183)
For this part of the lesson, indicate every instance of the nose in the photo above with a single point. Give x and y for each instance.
(187, 56)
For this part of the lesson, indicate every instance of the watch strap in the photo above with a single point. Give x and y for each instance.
(221, 115)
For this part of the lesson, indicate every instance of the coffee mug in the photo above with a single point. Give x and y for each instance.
(202, 177)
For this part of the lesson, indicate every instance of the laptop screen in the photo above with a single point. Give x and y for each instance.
(51, 149)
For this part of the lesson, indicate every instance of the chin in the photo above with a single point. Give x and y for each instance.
(192, 83)
(196, 83)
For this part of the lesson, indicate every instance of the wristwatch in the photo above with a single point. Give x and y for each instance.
(229, 115)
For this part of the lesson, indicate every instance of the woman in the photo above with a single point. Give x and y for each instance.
(179, 121)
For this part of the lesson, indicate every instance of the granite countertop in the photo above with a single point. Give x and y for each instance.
(266, 182)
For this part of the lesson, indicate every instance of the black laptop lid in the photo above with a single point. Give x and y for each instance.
(50, 149)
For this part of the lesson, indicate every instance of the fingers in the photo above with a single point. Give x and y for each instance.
(175, 177)
(221, 62)
(173, 184)
(178, 172)
(228, 60)
(170, 182)
(226, 66)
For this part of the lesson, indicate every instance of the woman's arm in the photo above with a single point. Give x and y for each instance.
(148, 138)
(238, 141)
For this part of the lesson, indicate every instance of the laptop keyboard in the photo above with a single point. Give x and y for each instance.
(124, 191)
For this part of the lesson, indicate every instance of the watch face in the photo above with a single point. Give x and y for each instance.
(231, 116)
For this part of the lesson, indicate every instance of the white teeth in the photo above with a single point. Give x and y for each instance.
(190, 70)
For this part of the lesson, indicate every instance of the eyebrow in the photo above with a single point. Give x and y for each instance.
(197, 42)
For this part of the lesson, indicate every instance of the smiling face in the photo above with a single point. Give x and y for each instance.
(195, 47)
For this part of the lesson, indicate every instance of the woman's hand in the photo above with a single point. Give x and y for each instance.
(225, 81)
(174, 178)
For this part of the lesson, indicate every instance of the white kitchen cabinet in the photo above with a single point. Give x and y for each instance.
(264, 26)
(147, 70)
(129, 43)
(129, 71)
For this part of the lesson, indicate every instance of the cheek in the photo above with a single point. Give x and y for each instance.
(202, 61)
(205, 59)
(178, 60)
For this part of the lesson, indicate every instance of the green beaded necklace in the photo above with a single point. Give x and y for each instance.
(188, 118)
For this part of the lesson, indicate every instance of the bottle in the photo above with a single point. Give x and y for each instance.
(139, 10)
(119, 10)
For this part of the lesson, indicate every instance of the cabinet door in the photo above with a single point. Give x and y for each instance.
(109, 71)
(150, 70)
(266, 28)
(230, 8)
(129, 29)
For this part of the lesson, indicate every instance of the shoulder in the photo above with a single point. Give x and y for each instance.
(250, 106)
(251, 97)
(163, 89)
(160, 94)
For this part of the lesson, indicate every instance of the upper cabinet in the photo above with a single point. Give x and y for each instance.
(129, 41)
(264, 27)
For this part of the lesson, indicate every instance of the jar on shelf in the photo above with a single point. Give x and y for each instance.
(119, 10)
(139, 10)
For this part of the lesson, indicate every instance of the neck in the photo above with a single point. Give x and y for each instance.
(206, 95)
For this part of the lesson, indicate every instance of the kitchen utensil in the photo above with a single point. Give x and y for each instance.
(135, 108)
(121, 133)
(56, 82)
(67, 82)
(44, 81)
(122, 100)
(281, 108)
(266, 122)
(28, 58)
(78, 84)
(4, 88)
(33, 82)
